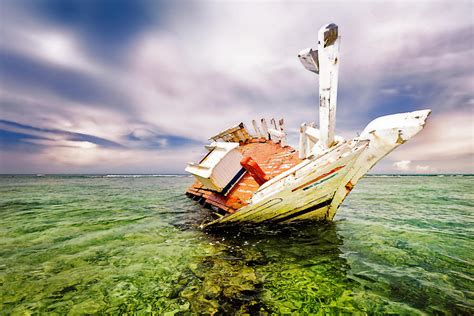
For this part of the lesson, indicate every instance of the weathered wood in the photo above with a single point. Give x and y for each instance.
(310, 142)
(271, 157)
(281, 125)
(309, 59)
(303, 139)
(276, 135)
(328, 56)
(273, 123)
(313, 183)
(258, 133)
(313, 134)
(237, 133)
(265, 128)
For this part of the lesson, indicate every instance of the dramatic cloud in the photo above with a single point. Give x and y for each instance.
(139, 86)
(406, 166)
(403, 165)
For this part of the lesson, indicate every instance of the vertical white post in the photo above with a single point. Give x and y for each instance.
(310, 141)
(328, 55)
(302, 151)
(273, 124)
(257, 130)
(265, 128)
(281, 125)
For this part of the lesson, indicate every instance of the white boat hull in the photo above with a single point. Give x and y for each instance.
(328, 167)
(315, 188)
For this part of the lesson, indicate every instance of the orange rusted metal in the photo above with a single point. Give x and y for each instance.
(254, 170)
(272, 159)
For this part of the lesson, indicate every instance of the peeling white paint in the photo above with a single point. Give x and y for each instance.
(331, 165)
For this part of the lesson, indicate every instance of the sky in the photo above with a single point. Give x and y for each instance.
(115, 86)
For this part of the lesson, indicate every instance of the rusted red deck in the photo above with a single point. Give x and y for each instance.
(271, 157)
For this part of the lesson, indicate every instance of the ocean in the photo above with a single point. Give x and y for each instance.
(131, 244)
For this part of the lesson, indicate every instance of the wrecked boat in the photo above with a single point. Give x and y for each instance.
(258, 178)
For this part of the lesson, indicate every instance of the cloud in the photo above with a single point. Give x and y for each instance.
(30, 149)
(403, 165)
(406, 166)
(446, 136)
(57, 159)
(49, 136)
(140, 138)
(160, 78)
(446, 145)
(424, 169)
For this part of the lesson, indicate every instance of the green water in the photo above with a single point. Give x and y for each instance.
(85, 245)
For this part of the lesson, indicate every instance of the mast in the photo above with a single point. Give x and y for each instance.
(328, 55)
(325, 62)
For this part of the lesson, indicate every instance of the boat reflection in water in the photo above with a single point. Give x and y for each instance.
(253, 265)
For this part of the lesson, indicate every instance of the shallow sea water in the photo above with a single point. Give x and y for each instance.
(85, 245)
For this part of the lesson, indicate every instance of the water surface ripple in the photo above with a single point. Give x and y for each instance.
(83, 244)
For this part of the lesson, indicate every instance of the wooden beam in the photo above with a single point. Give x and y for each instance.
(328, 57)
(303, 138)
(265, 129)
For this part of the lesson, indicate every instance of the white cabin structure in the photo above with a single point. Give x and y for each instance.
(217, 169)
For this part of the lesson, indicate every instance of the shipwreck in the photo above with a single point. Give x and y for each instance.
(258, 178)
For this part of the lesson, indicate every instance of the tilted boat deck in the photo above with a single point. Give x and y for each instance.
(257, 178)
(272, 158)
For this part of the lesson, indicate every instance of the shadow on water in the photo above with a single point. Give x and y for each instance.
(296, 268)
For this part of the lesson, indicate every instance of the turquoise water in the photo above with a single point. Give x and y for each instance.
(81, 245)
